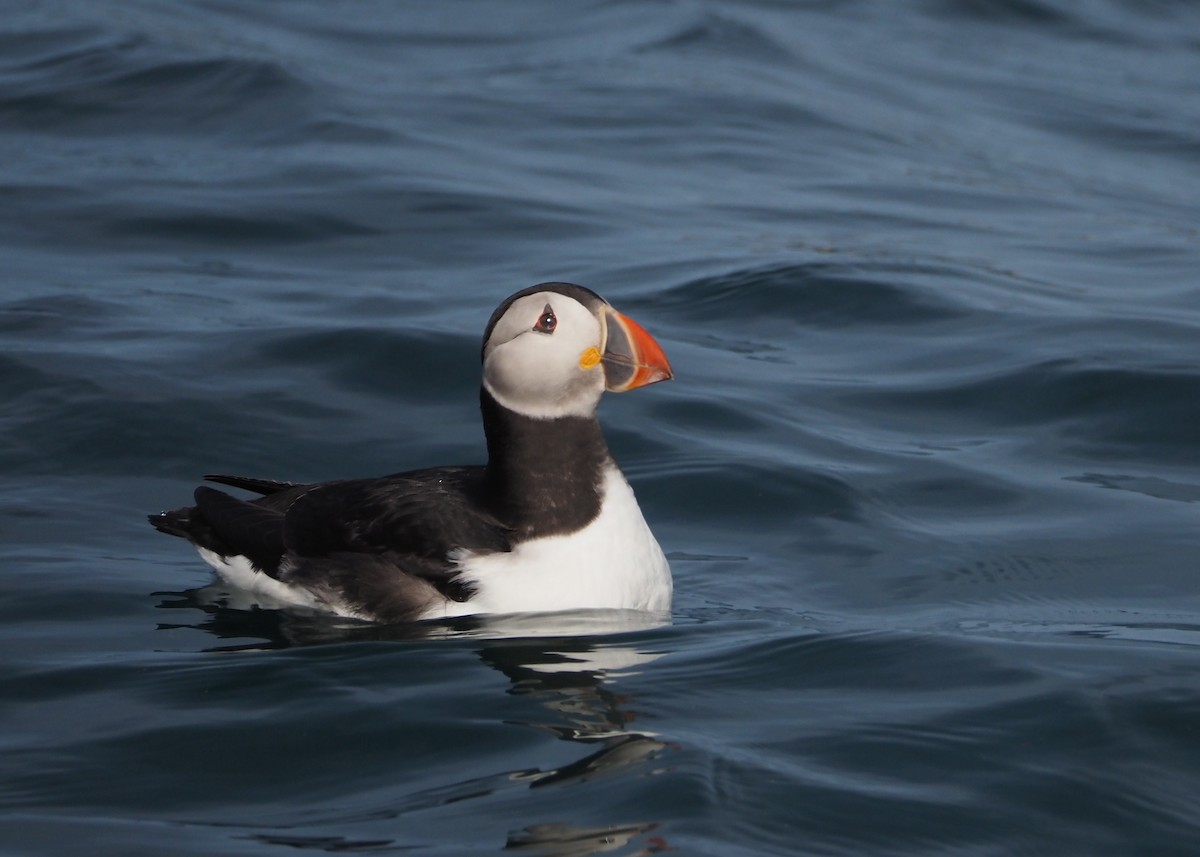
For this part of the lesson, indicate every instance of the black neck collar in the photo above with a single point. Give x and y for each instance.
(543, 475)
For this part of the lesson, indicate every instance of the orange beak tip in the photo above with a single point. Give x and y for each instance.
(638, 351)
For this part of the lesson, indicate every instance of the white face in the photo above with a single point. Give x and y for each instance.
(545, 364)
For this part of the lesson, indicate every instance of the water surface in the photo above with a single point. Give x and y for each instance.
(929, 475)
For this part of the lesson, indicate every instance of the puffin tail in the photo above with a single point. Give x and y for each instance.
(177, 522)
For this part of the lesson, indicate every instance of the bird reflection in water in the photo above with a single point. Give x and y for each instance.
(565, 840)
(571, 678)
(568, 676)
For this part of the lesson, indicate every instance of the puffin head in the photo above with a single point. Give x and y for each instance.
(553, 349)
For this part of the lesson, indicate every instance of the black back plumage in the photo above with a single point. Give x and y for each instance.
(413, 521)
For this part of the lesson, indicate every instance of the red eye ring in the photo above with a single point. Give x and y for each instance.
(547, 321)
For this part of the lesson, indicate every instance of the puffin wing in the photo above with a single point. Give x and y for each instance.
(382, 549)
(414, 522)
(248, 483)
(423, 513)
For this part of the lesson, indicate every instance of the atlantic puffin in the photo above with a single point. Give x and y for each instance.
(548, 524)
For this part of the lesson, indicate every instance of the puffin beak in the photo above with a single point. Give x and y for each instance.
(631, 356)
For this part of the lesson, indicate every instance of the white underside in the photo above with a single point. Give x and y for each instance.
(614, 563)
(267, 591)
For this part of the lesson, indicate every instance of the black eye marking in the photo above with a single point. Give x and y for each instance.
(546, 321)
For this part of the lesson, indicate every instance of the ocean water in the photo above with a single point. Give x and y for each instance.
(929, 474)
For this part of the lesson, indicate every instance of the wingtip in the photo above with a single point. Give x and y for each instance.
(248, 483)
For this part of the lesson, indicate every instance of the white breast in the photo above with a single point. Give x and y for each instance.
(612, 563)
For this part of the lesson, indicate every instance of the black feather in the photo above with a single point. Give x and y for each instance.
(243, 529)
(389, 539)
(371, 584)
(258, 486)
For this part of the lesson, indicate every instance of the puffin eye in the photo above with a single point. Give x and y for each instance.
(546, 321)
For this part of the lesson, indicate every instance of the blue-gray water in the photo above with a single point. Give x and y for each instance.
(929, 475)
